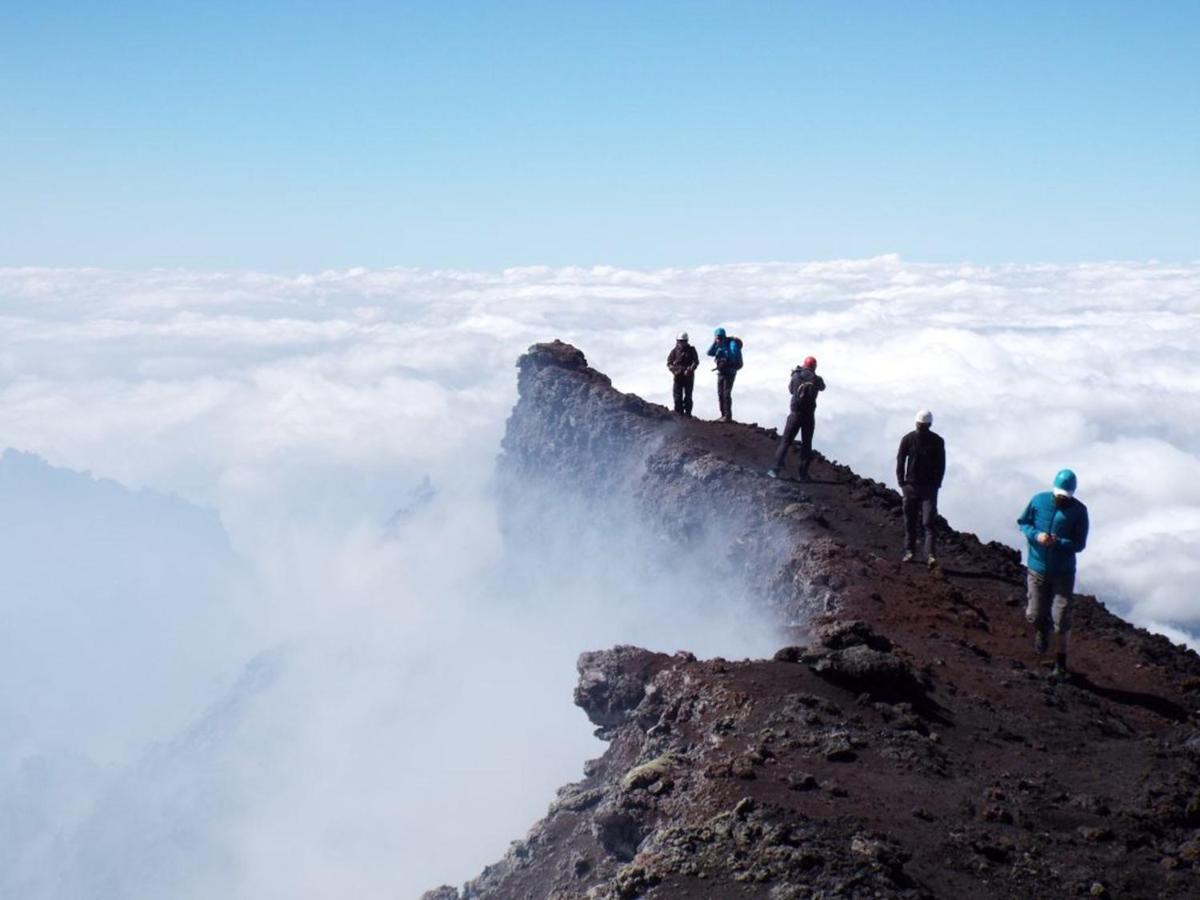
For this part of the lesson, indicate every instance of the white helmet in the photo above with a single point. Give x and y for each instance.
(682, 336)
(924, 417)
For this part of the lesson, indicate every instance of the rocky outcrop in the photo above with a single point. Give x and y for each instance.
(573, 434)
(906, 743)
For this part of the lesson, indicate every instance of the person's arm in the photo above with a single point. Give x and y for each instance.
(671, 360)
(1078, 539)
(820, 382)
(939, 464)
(693, 357)
(712, 350)
(901, 458)
(1028, 523)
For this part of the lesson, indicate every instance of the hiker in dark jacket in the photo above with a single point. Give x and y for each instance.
(683, 361)
(1056, 526)
(920, 467)
(727, 353)
(802, 417)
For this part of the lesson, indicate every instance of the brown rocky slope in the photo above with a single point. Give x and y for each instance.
(908, 744)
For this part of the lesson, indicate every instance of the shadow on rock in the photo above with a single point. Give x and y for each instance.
(1152, 702)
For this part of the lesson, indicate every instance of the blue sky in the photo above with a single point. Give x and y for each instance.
(297, 136)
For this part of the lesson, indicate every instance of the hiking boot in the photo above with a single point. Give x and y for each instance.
(772, 473)
(908, 556)
(1059, 672)
(1039, 642)
(931, 562)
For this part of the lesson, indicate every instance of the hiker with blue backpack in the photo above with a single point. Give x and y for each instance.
(804, 386)
(1056, 527)
(727, 353)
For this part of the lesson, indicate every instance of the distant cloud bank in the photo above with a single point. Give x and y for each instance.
(306, 409)
(227, 386)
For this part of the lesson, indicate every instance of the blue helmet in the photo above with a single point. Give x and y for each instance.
(1065, 482)
(720, 332)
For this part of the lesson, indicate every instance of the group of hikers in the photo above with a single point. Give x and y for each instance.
(1054, 522)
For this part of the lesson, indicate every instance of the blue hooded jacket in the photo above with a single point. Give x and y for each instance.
(1068, 523)
(728, 353)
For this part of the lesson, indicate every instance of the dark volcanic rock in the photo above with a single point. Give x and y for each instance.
(573, 434)
(613, 683)
(908, 742)
(862, 669)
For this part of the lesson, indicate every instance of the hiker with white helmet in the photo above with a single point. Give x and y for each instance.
(920, 468)
(683, 360)
(1056, 526)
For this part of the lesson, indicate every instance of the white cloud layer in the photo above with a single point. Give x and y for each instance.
(304, 408)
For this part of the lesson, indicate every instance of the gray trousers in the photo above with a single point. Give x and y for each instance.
(920, 516)
(1049, 603)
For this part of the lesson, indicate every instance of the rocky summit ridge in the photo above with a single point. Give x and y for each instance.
(905, 741)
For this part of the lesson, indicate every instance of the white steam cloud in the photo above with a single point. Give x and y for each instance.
(370, 713)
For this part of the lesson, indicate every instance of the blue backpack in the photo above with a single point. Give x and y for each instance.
(735, 353)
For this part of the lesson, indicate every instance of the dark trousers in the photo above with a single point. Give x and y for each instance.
(920, 514)
(682, 392)
(797, 423)
(725, 393)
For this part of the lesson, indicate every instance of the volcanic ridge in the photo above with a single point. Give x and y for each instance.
(905, 741)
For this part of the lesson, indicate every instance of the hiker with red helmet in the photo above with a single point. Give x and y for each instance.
(802, 417)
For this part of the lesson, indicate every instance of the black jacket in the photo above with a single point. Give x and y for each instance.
(804, 397)
(921, 459)
(683, 359)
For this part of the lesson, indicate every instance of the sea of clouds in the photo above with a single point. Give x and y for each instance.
(370, 711)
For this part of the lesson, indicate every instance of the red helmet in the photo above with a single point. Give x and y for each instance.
(810, 362)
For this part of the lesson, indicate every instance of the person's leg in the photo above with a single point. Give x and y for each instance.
(729, 395)
(785, 441)
(1063, 588)
(689, 382)
(722, 393)
(677, 393)
(807, 426)
(1037, 609)
(912, 506)
(929, 522)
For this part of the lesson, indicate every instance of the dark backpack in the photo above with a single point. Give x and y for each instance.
(804, 396)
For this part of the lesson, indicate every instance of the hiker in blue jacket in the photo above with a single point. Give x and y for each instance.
(726, 352)
(1056, 526)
